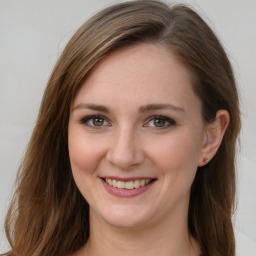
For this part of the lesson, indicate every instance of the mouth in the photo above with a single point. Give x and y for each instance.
(129, 185)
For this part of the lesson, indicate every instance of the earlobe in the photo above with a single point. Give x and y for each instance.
(214, 132)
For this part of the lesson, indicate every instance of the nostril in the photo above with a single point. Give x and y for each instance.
(125, 150)
(124, 158)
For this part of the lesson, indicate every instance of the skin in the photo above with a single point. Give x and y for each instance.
(125, 142)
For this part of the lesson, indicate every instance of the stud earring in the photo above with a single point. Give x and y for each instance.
(205, 160)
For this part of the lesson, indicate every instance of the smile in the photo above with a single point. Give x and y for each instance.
(127, 184)
(127, 187)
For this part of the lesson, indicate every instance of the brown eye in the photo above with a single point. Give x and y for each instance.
(95, 121)
(98, 121)
(159, 122)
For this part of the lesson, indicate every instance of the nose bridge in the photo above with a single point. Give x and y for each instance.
(125, 150)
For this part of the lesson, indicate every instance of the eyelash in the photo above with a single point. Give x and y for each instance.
(86, 120)
(169, 121)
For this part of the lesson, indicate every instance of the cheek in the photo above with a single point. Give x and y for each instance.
(84, 154)
(177, 155)
(85, 157)
(177, 162)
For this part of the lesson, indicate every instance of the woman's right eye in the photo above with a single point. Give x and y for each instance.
(95, 121)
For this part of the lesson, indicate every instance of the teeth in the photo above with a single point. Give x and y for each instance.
(109, 181)
(127, 185)
(136, 183)
(120, 184)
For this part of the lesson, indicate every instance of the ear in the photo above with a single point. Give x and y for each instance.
(214, 133)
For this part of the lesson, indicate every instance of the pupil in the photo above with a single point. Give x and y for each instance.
(98, 121)
(159, 123)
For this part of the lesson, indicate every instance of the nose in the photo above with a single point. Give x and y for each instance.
(125, 150)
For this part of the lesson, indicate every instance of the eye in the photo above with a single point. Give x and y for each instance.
(95, 121)
(160, 122)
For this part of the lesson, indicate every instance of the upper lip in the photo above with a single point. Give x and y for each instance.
(127, 178)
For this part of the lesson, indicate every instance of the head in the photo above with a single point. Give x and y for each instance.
(46, 186)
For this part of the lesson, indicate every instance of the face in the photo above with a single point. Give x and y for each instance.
(135, 137)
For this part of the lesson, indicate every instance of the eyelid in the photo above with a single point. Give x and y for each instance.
(85, 120)
(170, 121)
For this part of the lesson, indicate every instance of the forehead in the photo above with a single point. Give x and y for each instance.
(140, 74)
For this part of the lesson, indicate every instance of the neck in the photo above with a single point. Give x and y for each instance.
(107, 240)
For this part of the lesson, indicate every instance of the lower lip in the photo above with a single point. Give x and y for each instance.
(120, 192)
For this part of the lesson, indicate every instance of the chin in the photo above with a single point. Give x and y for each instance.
(123, 218)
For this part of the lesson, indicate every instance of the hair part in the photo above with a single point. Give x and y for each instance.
(48, 215)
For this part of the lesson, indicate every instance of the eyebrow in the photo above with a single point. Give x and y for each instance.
(142, 109)
(151, 107)
(100, 108)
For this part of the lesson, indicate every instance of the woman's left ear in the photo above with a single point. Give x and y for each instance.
(214, 133)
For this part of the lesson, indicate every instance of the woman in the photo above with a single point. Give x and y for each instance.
(134, 147)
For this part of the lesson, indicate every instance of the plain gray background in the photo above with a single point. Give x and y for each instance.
(32, 36)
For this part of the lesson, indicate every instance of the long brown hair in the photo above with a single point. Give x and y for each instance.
(48, 215)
